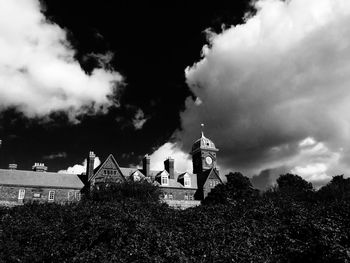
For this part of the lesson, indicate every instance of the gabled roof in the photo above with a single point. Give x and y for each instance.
(208, 173)
(98, 168)
(39, 179)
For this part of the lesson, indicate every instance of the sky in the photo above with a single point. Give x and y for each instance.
(268, 78)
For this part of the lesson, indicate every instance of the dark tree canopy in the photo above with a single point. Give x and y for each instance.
(292, 182)
(337, 189)
(119, 224)
(237, 188)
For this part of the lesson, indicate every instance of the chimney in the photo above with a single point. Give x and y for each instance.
(13, 166)
(169, 166)
(146, 163)
(90, 165)
(39, 167)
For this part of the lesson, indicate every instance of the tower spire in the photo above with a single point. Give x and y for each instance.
(202, 130)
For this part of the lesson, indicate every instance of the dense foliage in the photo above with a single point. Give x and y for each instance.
(268, 228)
(139, 190)
(236, 188)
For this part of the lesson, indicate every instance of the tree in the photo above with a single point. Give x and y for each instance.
(237, 188)
(293, 185)
(337, 189)
(288, 182)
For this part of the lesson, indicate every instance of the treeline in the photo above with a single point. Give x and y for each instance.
(236, 223)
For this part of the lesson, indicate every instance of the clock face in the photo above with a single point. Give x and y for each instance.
(208, 160)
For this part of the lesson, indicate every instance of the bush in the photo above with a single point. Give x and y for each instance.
(139, 190)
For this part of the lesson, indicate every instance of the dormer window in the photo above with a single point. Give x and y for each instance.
(165, 180)
(187, 181)
(136, 176)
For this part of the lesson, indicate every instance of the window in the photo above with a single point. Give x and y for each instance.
(70, 196)
(170, 196)
(51, 195)
(77, 196)
(165, 196)
(104, 171)
(164, 180)
(186, 196)
(191, 197)
(210, 183)
(187, 182)
(21, 194)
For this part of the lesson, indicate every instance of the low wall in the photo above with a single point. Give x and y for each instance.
(182, 204)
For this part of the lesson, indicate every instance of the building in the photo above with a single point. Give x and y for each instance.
(19, 186)
(179, 188)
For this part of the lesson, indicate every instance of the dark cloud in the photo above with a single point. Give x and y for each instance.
(272, 84)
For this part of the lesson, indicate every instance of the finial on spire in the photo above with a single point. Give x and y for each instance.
(202, 129)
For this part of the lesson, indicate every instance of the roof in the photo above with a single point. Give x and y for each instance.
(203, 143)
(206, 174)
(41, 179)
(174, 183)
(98, 168)
(129, 171)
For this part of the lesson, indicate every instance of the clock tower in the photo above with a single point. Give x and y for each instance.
(203, 155)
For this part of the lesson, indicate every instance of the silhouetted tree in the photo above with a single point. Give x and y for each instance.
(293, 182)
(294, 186)
(237, 188)
(337, 189)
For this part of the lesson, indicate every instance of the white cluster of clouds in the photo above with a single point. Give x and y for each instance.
(182, 161)
(80, 168)
(38, 72)
(274, 91)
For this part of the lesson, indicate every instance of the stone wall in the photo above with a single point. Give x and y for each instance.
(182, 204)
(9, 194)
(177, 193)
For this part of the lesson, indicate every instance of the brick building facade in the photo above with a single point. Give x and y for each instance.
(19, 186)
(181, 186)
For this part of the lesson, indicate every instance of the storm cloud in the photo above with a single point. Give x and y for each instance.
(274, 91)
(38, 71)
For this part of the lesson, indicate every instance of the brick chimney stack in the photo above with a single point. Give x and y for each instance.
(146, 163)
(39, 167)
(169, 166)
(13, 166)
(90, 165)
